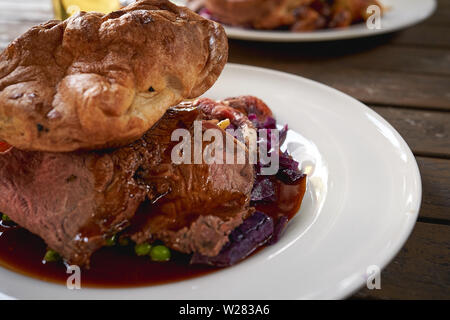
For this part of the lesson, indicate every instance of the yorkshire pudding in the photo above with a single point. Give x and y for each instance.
(97, 81)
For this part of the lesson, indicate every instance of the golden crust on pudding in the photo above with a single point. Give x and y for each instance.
(97, 81)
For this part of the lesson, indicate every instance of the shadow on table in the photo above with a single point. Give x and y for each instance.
(244, 51)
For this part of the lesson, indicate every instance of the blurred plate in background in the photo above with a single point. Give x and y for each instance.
(399, 14)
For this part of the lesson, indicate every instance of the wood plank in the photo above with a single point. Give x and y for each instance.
(11, 30)
(420, 271)
(397, 59)
(18, 11)
(26, 16)
(374, 53)
(387, 88)
(441, 15)
(375, 87)
(332, 64)
(34, 11)
(41, 2)
(435, 175)
(30, 6)
(423, 35)
(426, 132)
(443, 3)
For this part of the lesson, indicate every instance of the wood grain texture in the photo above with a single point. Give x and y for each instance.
(423, 35)
(26, 11)
(366, 54)
(440, 17)
(426, 132)
(11, 30)
(435, 175)
(16, 17)
(421, 270)
(366, 69)
(435, 32)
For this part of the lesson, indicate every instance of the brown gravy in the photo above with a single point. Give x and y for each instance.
(22, 251)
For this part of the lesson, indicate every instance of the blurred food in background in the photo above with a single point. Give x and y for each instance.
(294, 15)
(65, 8)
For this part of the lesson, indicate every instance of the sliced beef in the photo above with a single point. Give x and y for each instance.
(235, 109)
(192, 207)
(219, 110)
(75, 200)
(71, 200)
(250, 105)
(238, 110)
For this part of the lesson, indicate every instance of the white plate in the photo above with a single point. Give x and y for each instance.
(362, 201)
(400, 14)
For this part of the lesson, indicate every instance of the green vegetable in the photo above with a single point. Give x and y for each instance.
(52, 256)
(111, 241)
(160, 253)
(123, 241)
(6, 218)
(142, 249)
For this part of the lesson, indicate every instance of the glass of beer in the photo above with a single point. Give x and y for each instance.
(65, 8)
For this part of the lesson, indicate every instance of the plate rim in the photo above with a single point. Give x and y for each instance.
(355, 286)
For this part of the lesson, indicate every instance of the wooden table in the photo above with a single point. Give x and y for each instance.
(405, 77)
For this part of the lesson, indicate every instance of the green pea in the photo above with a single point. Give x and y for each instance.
(142, 249)
(52, 256)
(123, 241)
(160, 253)
(6, 218)
(111, 241)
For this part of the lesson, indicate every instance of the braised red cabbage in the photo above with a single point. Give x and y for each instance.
(245, 239)
(288, 172)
